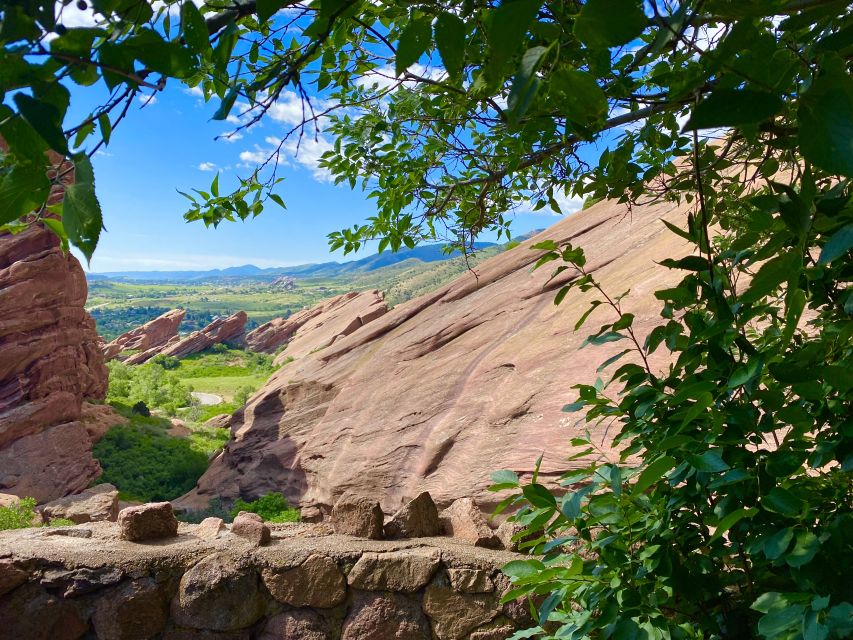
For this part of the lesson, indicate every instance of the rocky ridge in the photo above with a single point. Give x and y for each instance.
(221, 330)
(442, 390)
(154, 333)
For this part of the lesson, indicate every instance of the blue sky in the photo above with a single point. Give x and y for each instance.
(170, 144)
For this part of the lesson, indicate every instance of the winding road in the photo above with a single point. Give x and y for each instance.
(206, 399)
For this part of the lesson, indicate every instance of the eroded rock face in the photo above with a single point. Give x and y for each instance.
(50, 363)
(319, 326)
(317, 582)
(154, 333)
(442, 390)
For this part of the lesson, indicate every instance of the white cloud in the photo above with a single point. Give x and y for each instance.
(568, 204)
(207, 166)
(146, 99)
(230, 137)
(196, 91)
(383, 78)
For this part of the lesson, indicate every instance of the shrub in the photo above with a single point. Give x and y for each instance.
(214, 509)
(147, 383)
(18, 515)
(147, 464)
(141, 409)
(272, 507)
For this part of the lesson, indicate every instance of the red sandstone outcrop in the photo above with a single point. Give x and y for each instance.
(154, 333)
(220, 330)
(319, 326)
(444, 389)
(51, 362)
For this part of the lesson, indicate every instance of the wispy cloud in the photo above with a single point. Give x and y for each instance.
(207, 166)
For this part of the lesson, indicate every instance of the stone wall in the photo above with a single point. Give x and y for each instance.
(307, 584)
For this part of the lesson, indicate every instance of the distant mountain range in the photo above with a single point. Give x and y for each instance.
(426, 253)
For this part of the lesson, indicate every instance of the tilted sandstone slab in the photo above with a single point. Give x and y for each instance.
(220, 330)
(51, 362)
(154, 333)
(319, 326)
(444, 389)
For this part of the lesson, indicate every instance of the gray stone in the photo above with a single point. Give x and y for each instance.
(97, 504)
(358, 516)
(405, 571)
(454, 615)
(417, 519)
(464, 520)
(218, 595)
(68, 532)
(471, 580)
(148, 522)
(505, 533)
(385, 616)
(136, 610)
(317, 582)
(30, 613)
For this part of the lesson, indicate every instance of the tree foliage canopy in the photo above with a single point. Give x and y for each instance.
(452, 114)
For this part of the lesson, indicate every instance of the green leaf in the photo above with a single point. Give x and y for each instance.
(166, 57)
(772, 274)
(710, 462)
(194, 28)
(450, 40)
(522, 568)
(734, 108)
(106, 127)
(578, 95)
(783, 502)
(539, 496)
(840, 243)
(805, 548)
(525, 84)
(652, 473)
(609, 23)
(778, 623)
(22, 190)
(778, 543)
(413, 44)
(227, 39)
(81, 211)
(266, 9)
(507, 26)
(732, 519)
(826, 123)
(227, 104)
(45, 119)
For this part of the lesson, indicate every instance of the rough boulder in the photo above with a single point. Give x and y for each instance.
(444, 389)
(152, 334)
(51, 362)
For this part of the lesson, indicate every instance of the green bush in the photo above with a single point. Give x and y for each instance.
(147, 464)
(272, 507)
(214, 509)
(18, 515)
(148, 383)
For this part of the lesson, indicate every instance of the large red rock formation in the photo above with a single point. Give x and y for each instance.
(444, 389)
(220, 330)
(152, 334)
(319, 326)
(50, 363)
